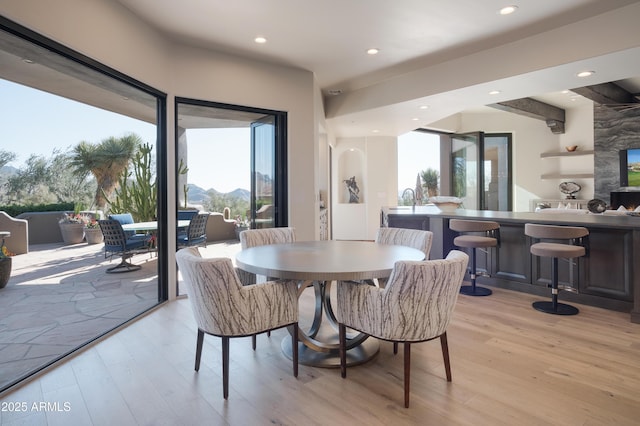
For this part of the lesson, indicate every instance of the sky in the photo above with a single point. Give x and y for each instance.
(417, 151)
(38, 122)
(229, 168)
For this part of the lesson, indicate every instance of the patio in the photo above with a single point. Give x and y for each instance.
(59, 298)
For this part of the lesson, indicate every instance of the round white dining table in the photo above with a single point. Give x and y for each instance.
(317, 264)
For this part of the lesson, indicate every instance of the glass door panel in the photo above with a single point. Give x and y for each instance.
(466, 169)
(497, 172)
(263, 168)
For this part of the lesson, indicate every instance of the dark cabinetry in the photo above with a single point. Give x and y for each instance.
(606, 277)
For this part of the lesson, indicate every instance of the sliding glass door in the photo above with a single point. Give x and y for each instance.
(58, 105)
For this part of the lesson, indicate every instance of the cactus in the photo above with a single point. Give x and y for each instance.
(137, 196)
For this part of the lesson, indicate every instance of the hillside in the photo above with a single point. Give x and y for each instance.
(200, 196)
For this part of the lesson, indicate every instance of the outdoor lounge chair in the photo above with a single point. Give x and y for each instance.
(116, 243)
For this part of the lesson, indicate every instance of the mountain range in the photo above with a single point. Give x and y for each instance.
(198, 195)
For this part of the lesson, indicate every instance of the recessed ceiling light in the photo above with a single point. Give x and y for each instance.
(415, 119)
(375, 131)
(424, 107)
(494, 92)
(334, 92)
(373, 51)
(260, 40)
(585, 73)
(508, 10)
(27, 61)
(565, 91)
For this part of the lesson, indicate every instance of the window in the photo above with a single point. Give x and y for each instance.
(73, 303)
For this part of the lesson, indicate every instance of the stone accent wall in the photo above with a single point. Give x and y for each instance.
(613, 131)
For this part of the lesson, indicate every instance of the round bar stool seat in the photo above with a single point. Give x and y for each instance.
(556, 251)
(473, 242)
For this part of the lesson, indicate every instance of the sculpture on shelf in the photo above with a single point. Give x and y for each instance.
(596, 206)
(354, 191)
(570, 189)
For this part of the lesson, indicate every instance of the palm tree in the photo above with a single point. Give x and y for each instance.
(106, 161)
(430, 178)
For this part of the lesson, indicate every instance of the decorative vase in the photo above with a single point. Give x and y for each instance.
(72, 233)
(5, 271)
(93, 235)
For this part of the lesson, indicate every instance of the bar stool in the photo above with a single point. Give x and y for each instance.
(576, 248)
(491, 238)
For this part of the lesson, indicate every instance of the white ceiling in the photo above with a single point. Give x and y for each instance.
(424, 47)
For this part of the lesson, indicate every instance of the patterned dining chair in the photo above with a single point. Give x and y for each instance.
(223, 307)
(260, 237)
(416, 306)
(415, 238)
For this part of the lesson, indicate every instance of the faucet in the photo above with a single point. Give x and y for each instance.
(413, 195)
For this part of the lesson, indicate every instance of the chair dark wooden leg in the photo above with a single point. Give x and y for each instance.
(269, 333)
(225, 367)
(253, 342)
(445, 355)
(395, 348)
(199, 341)
(342, 333)
(294, 349)
(407, 372)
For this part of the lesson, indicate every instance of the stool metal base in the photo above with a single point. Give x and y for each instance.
(561, 308)
(470, 290)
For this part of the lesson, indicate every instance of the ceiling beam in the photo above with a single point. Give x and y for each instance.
(553, 116)
(605, 94)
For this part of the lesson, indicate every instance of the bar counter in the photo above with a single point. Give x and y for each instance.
(606, 277)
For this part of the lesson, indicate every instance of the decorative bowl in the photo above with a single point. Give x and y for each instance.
(446, 204)
(571, 148)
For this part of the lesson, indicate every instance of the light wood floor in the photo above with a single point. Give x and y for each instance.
(511, 366)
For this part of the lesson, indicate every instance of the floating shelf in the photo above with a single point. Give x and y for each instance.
(565, 154)
(567, 176)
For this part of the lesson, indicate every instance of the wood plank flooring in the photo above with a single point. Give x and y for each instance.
(511, 366)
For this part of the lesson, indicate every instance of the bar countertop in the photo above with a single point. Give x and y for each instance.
(568, 217)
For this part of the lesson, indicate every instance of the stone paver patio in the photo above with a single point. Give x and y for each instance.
(59, 298)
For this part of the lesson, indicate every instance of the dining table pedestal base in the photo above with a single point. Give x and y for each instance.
(360, 354)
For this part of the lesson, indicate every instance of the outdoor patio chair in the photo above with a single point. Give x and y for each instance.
(116, 243)
(125, 219)
(196, 234)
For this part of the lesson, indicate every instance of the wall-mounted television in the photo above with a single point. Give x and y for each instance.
(630, 167)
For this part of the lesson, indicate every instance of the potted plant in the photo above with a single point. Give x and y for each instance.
(5, 265)
(72, 228)
(241, 225)
(92, 232)
(430, 178)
